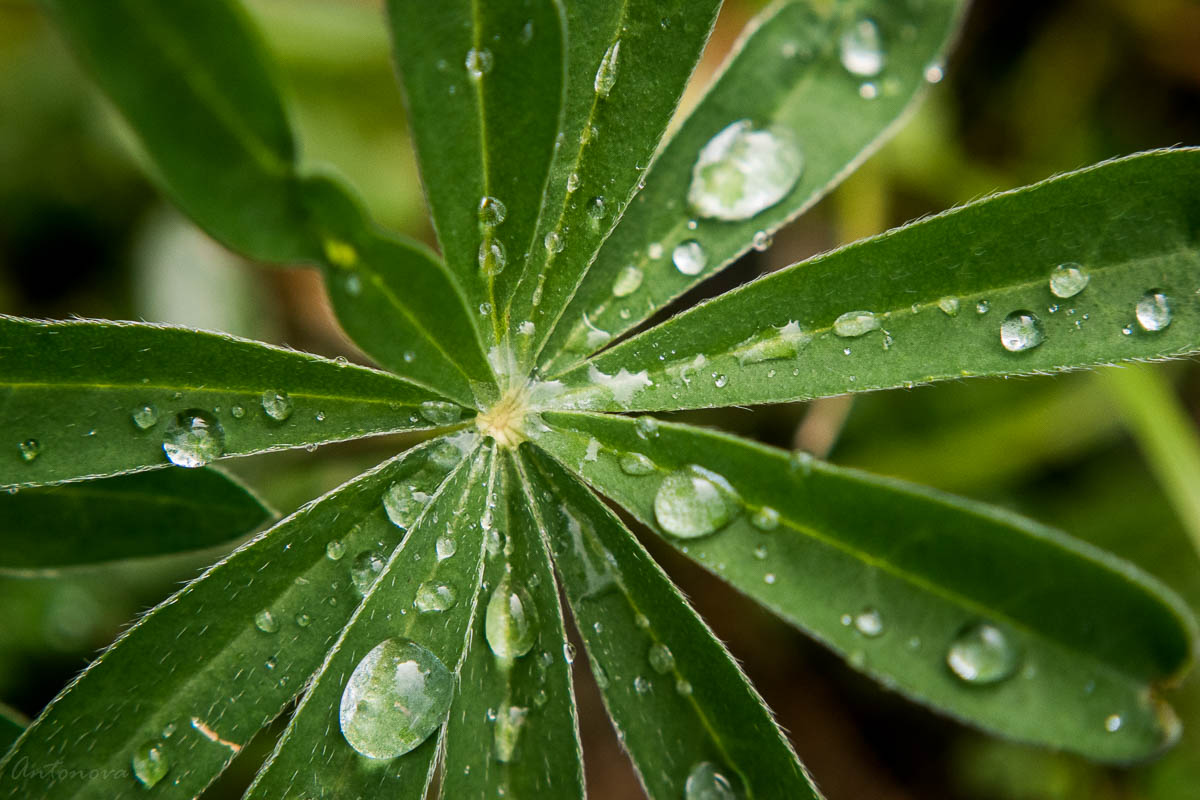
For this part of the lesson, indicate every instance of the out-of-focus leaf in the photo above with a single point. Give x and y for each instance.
(12, 724)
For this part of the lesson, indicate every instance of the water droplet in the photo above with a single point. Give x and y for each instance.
(1021, 330)
(742, 171)
(479, 63)
(145, 417)
(982, 654)
(29, 449)
(572, 182)
(689, 257)
(868, 91)
(271, 663)
(193, 438)
(150, 764)
(861, 49)
(510, 625)
(237, 412)
(773, 344)
(636, 464)
(606, 75)
(303, 620)
(595, 208)
(628, 281)
(769, 579)
(397, 696)
(720, 381)
(705, 782)
(439, 412)
(445, 548)
(1153, 311)
(507, 732)
(403, 504)
(949, 306)
(642, 621)
(335, 549)
(982, 307)
(554, 242)
(569, 653)
(1068, 280)
(765, 519)
(855, 323)
(485, 309)
(662, 660)
(761, 241)
(276, 404)
(491, 211)
(692, 502)
(869, 622)
(934, 73)
(683, 688)
(641, 685)
(265, 622)
(655, 251)
(1112, 723)
(433, 596)
(492, 257)
(366, 567)
(801, 461)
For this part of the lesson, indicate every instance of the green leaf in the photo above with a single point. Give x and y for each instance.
(12, 725)
(84, 399)
(627, 65)
(675, 694)
(898, 578)
(129, 516)
(530, 746)
(786, 78)
(212, 665)
(1131, 225)
(314, 758)
(193, 80)
(483, 83)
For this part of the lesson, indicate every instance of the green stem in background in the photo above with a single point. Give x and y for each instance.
(1165, 433)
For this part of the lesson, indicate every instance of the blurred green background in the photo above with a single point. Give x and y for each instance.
(1033, 89)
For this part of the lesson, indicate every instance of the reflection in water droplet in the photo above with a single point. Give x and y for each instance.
(1153, 311)
(606, 74)
(510, 623)
(1068, 280)
(742, 171)
(693, 502)
(689, 257)
(1021, 330)
(982, 654)
(855, 323)
(432, 596)
(861, 49)
(276, 404)
(366, 567)
(145, 417)
(397, 696)
(662, 660)
(706, 782)
(193, 438)
(150, 764)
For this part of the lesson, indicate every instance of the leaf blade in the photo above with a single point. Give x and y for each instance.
(923, 564)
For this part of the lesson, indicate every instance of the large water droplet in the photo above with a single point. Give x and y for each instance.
(507, 732)
(636, 464)
(706, 782)
(510, 625)
(432, 596)
(145, 417)
(1068, 280)
(491, 211)
(861, 49)
(855, 323)
(397, 696)
(479, 62)
(742, 171)
(689, 257)
(1153, 311)
(440, 412)
(982, 654)
(662, 660)
(628, 281)
(276, 404)
(150, 763)
(193, 438)
(693, 502)
(606, 75)
(403, 504)
(1021, 330)
(366, 567)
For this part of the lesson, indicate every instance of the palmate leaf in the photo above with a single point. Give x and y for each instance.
(965, 293)
(216, 662)
(989, 617)
(84, 399)
(130, 516)
(682, 707)
(788, 78)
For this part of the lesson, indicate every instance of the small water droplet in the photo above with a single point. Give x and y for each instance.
(765, 519)
(491, 211)
(1112, 723)
(396, 697)
(760, 552)
(692, 502)
(1153, 311)
(572, 182)
(433, 596)
(1068, 280)
(761, 241)
(743, 171)
(145, 417)
(439, 412)
(352, 284)
(445, 548)
(265, 622)
(646, 427)
(29, 449)
(861, 49)
(510, 623)
(721, 381)
(706, 782)
(769, 579)
(237, 412)
(949, 306)
(554, 242)
(934, 73)
(981, 654)
(869, 622)
(628, 281)
(492, 257)
(773, 344)
(662, 660)
(683, 688)
(1021, 330)
(606, 74)
(271, 663)
(868, 91)
(689, 257)
(335, 549)
(485, 309)
(479, 62)
(855, 323)
(641, 685)
(276, 404)
(801, 462)
(655, 251)
(982, 307)
(636, 464)
(642, 621)
(303, 620)
(507, 732)
(366, 567)
(595, 208)
(193, 438)
(150, 763)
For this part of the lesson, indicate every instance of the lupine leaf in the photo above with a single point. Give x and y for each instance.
(12, 723)
(898, 579)
(212, 665)
(84, 399)
(675, 694)
(787, 78)
(938, 293)
(129, 516)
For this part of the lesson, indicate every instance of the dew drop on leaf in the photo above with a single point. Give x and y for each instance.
(396, 697)
(445, 547)
(276, 404)
(303, 620)
(628, 281)
(1021, 330)
(689, 257)
(1068, 280)
(145, 416)
(1112, 723)
(949, 306)
(491, 211)
(743, 171)
(366, 567)
(266, 622)
(433, 596)
(860, 49)
(150, 764)
(29, 449)
(439, 412)
(855, 323)
(335, 549)
(510, 623)
(636, 464)
(403, 504)
(1153, 311)
(773, 344)
(193, 438)
(479, 62)
(662, 660)
(692, 502)
(869, 622)
(507, 732)
(706, 782)
(606, 74)
(981, 654)
(492, 257)
(641, 685)
(646, 427)
(761, 241)
(765, 519)
(554, 242)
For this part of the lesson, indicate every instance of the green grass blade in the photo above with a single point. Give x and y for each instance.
(896, 578)
(939, 292)
(628, 63)
(675, 694)
(130, 516)
(786, 76)
(193, 80)
(85, 399)
(313, 757)
(529, 745)
(201, 674)
(484, 88)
